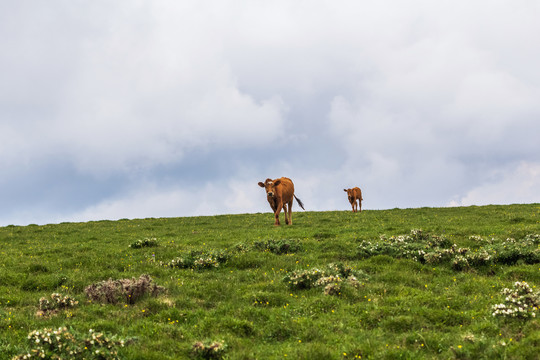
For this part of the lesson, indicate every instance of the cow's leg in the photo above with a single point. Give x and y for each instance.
(285, 210)
(277, 218)
(352, 204)
(290, 212)
(360, 205)
(276, 214)
(273, 205)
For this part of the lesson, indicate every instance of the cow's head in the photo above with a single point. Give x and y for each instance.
(350, 193)
(270, 186)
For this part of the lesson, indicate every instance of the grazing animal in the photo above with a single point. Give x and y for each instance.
(354, 195)
(280, 193)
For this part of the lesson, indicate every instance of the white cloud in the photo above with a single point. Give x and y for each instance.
(150, 200)
(143, 84)
(416, 103)
(442, 108)
(518, 184)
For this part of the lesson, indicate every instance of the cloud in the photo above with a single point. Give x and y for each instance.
(517, 184)
(134, 91)
(442, 109)
(150, 200)
(140, 105)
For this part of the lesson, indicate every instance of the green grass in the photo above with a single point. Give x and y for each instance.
(403, 308)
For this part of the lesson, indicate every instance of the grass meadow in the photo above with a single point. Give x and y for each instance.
(380, 284)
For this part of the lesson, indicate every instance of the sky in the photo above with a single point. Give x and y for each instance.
(167, 108)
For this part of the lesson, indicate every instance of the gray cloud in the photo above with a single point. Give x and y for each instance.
(165, 108)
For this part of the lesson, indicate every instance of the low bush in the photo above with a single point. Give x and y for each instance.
(460, 262)
(303, 279)
(199, 260)
(278, 247)
(67, 344)
(209, 350)
(510, 251)
(520, 302)
(128, 290)
(412, 246)
(332, 279)
(432, 249)
(58, 302)
(147, 242)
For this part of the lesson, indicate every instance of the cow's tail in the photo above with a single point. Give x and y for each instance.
(299, 202)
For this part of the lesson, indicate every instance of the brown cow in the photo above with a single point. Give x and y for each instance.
(355, 194)
(280, 193)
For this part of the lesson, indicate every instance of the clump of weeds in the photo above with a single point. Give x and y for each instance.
(128, 290)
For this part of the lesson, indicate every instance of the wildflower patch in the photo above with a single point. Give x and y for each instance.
(433, 249)
(331, 279)
(199, 260)
(62, 343)
(414, 246)
(147, 242)
(211, 350)
(58, 302)
(274, 246)
(520, 302)
(278, 247)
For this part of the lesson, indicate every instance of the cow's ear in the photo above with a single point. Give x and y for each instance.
(261, 184)
(345, 190)
(277, 182)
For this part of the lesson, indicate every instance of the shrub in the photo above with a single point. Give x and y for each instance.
(460, 262)
(303, 279)
(353, 281)
(332, 289)
(147, 242)
(413, 246)
(511, 251)
(434, 257)
(520, 302)
(367, 249)
(58, 302)
(331, 284)
(328, 280)
(65, 344)
(199, 260)
(282, 246)
(433, 249)
(341, 269)
(480, 240)
(533, 238)
(209, 350)
(418, 235)
(436, 241)
(130, 290)
(337, 274)
(241, 248)
(480, 258)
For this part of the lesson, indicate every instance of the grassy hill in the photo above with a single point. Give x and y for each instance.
(335, 285)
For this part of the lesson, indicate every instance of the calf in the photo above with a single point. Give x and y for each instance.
(280, 194)
(354, 195)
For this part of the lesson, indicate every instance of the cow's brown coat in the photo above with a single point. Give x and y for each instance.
(280, 194)
(355, 198)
